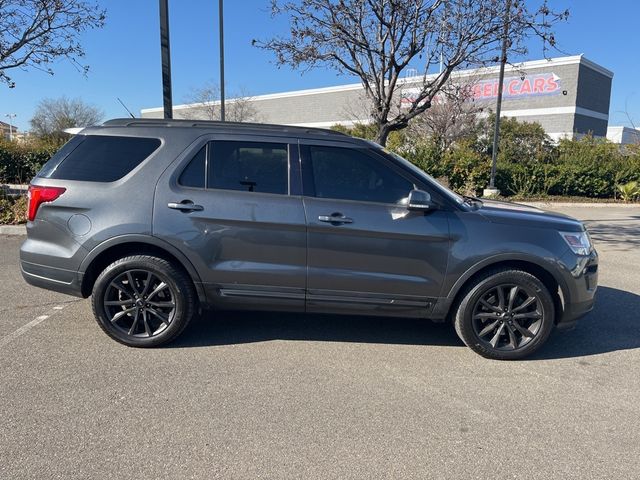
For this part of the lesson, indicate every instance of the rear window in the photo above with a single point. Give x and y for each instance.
(98, 158)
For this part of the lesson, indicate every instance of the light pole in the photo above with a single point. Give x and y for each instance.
(11, 116)
(221, 29)
(492, 190)
(165, 51)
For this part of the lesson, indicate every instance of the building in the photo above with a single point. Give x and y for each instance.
(8, 131)
(623, 135)
(569, 96)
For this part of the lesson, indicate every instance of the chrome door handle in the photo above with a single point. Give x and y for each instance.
(336, 218)
(185, 206)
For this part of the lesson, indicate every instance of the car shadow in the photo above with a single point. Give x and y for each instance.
(227, 328)
(613, 325)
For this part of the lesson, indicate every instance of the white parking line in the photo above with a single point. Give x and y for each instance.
(25, 328)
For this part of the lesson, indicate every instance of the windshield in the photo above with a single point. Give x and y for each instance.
(444, 190)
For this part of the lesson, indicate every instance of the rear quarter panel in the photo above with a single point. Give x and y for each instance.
(90, 213)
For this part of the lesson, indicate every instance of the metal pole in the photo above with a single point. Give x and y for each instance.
(221, 28)
(503, 61)
(166, 59)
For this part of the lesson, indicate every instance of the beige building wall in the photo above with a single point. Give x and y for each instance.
(568, 95)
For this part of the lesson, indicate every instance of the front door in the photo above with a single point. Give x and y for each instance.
(227, 205)
(366, 252)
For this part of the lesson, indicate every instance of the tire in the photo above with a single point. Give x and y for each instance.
(143, 301)
(505, 315)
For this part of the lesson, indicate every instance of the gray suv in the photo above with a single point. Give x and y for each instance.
(156, 219)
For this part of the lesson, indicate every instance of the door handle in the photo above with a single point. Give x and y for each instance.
(185, 206)
(335, 218)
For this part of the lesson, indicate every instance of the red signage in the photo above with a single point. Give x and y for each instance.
(514, 87)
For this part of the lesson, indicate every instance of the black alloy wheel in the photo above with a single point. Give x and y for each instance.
(143, 301)
(505, 314)
(139, 303)
(507, 317)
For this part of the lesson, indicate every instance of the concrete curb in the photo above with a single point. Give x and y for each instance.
(13, 229)
(581, 205)
(12, 189)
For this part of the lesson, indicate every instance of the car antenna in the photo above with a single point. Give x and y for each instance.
(125, 107)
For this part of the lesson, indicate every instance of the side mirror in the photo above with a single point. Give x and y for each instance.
(420, 201)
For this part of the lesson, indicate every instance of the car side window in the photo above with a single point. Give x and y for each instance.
(351, 174)
(249, 166)
(195, 172)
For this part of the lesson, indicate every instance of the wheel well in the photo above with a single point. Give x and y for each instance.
(115, 252)
(537, 271)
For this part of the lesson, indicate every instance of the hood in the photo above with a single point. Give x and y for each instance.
(519, 214)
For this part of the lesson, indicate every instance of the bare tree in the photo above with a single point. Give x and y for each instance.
(205, 103)
(453, 115)
(34, 33)
(53, 116)
(376, 40)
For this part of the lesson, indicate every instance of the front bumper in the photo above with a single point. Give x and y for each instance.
(580, 285)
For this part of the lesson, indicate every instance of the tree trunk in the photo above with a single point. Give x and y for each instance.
(383, 135)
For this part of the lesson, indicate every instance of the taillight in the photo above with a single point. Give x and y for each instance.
(38, 195)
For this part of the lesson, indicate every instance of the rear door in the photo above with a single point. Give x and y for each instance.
(366, 252)
(228, 204)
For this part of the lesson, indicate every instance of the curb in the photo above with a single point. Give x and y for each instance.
(13, 189)
(13, 229)
(580, 204)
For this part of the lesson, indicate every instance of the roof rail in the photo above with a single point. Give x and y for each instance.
(162, 122)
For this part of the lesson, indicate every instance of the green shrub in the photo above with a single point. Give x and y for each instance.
(468, 170)
(19, 162)
(629, 191)
(13, 210)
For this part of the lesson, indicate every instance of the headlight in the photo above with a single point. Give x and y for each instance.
(579, 242)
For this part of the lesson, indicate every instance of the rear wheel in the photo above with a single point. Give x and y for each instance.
(143, 301)
(505, 315)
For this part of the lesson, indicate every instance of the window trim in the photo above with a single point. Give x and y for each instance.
(308, 181)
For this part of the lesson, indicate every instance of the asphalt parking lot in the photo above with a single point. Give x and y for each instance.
(294, 396)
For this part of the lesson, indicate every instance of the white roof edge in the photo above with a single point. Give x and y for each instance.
(569, 60)
(594, 66)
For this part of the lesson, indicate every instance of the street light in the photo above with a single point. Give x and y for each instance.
(221, 28)
(11, 116)
(165, 51)
(492, 190)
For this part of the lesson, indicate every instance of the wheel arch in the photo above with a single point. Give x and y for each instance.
(552, 280)
(125, 245)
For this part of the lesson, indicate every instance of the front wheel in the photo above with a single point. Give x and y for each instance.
(143, 301)
(505, 315)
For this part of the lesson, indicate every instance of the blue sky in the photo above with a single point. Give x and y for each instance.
(125, 56)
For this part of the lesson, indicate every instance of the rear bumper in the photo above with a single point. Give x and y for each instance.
(56, 279)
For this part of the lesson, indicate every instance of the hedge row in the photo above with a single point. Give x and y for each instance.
(19, 162)
(584, 168)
